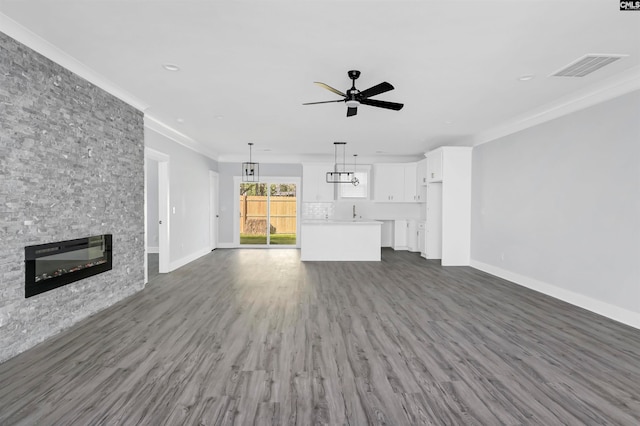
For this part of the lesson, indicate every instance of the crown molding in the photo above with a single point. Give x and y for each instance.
(55, 54)
(159, 127)
(618, 85)
(271, 158)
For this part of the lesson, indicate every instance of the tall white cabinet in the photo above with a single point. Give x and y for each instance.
(448, 224)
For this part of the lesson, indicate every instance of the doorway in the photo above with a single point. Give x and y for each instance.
(267, 213)
(157, 222)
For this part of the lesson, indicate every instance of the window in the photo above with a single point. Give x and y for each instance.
(346, 190)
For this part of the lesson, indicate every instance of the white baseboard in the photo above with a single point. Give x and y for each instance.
(227, 245)
(613, 312)
(153, 250)
(187, 259)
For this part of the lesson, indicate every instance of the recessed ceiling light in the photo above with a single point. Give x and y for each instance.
(380, 152)
(219, 117)
(526, 77)
(448, 122)
(171, 67)
(180, 120)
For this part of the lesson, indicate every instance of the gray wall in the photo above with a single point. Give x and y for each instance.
(71, 166)
(189, 193)
(227, 172)
(560, 202)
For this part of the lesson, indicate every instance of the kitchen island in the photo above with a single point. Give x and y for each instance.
(341, 240)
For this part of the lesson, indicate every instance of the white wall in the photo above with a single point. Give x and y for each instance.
(152, 205)
(556, 207)
(188, 198)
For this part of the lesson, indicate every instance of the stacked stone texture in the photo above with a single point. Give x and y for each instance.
(71, 166)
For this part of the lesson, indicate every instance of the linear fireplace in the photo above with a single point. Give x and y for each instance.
(53, 265)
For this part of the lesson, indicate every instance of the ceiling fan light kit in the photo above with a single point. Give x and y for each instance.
(354, 98)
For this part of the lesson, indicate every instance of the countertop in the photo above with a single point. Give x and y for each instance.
(341, 222)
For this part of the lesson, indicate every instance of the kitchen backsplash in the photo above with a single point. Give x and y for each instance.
(317, 210)
(343, 209)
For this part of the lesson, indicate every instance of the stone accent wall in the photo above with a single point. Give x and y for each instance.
(71, 166)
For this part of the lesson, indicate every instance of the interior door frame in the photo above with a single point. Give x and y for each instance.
(237, 180)
(163, 210)
(214, 214)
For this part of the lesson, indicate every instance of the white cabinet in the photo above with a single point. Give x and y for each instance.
(448, 226)
(421, 173)
(421, 239)
(410, 179)
(388, 183)
(434, 165)
(396, 183)
(405, 235)
(314, 186)
(421, 181)
(412, 235)
(400, 234)
(433, 227)
(386, 237)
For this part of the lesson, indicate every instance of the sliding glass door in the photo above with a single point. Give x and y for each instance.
(268, 213)
(253, 213)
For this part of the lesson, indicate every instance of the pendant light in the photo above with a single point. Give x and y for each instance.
(354, 180)
(337, 176)
(250, 170)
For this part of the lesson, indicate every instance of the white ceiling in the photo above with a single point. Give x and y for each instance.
(246, 67)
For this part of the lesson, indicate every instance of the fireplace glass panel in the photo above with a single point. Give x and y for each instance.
(95, 253)
(52, 265)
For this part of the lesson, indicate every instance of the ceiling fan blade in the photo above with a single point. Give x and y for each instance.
(331, 89)
(323, 102)
(351, 111)
(382, 104)
(376, 90)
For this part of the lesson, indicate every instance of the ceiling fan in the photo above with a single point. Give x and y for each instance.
(353, 98)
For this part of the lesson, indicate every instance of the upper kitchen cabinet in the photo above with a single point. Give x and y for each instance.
(314, 185)
(421, 172)
(388, 183)
(419, 180)
(434, 165)
(396, 183)
(411, 192)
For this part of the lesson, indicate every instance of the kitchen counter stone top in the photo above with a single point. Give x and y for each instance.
(341, 222)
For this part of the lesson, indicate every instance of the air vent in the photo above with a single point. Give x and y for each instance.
(586, 65)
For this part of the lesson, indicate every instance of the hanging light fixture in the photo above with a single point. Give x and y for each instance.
(250, 170)
(337, 176)
(354, 180)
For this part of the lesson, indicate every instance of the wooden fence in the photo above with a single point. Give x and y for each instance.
(253, 215)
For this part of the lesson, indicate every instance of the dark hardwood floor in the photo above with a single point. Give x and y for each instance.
(257, 337)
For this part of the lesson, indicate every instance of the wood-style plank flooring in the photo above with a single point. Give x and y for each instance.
(258, 337)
